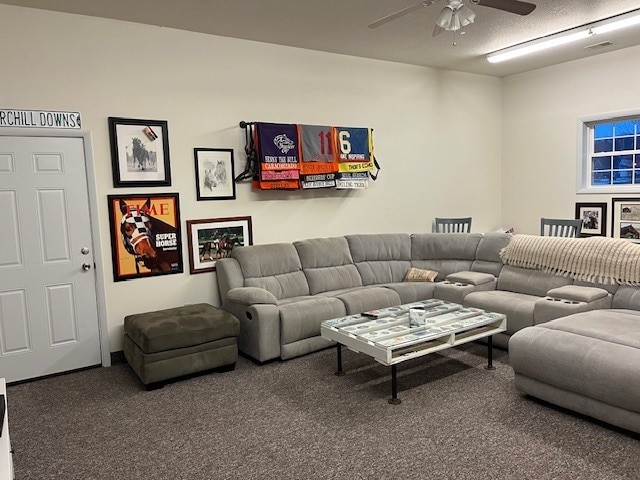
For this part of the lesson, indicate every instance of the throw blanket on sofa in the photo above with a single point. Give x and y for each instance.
(593, 259)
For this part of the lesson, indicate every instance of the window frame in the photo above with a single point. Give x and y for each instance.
(585, 140)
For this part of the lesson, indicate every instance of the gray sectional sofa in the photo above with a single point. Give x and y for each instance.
(573, 339)
(283, 292)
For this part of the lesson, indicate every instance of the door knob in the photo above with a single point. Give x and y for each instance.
(86, 266)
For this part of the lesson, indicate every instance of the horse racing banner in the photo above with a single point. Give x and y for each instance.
(297, 156)
(145, 235)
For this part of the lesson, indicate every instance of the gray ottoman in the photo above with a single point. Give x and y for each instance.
(170, 343)
(588, 362)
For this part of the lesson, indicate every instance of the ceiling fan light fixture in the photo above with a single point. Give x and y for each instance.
(454, 24)
(445, 17)
(454, 16)
(466, 15)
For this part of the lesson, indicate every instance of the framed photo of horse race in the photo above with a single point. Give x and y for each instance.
(625, 221)
(215, 174)
(139, 152)
(214, 238)
(145, 235)
(594, 219)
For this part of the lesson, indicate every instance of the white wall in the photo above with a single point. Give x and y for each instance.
(541, 111)
(438, 133)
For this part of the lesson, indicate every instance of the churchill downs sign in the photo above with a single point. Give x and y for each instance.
(39, 119)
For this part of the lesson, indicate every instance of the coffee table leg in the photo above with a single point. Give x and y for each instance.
(339, 372)
(490, 353)
(394, 400)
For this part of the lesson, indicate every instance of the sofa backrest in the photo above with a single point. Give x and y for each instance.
(327, 264)
(626, 297)
(529, 281)
(444, 253)
(609, 287)
(381, 258)
(275, 267)
(488, 253)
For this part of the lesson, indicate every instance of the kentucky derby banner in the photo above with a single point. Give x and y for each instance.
(145, 235)
(294, 157)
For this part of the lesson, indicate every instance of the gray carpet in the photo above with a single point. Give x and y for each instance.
(297, 420)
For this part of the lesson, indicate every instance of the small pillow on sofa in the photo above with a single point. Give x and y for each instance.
(420, 275)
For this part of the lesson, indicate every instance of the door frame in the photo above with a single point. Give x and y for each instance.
(98, 271)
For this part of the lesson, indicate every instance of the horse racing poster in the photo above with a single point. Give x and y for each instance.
(145, 235)
(214, 238)
(140, 152)
(215, 174)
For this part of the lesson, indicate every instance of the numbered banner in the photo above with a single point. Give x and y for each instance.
(354, 144)
(292, 157)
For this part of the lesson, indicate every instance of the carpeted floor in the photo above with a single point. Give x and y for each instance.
(297, 420)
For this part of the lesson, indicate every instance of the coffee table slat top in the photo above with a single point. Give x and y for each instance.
(395, 334)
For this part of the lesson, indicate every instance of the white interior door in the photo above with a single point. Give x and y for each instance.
(48, 311)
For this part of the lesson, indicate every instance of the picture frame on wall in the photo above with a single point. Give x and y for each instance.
(625, 220)
(139, 152)
(145, 235)
(215, 174)
(594, 219)
(214, 238)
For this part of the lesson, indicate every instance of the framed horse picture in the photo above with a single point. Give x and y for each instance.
(214, 238)
(594, 219)
(625, 222)
(145, 235)
(215, 174)
(139, 152)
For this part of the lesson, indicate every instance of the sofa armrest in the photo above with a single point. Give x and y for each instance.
(250, 296)
(470, 278)
(259, 317)
(569, 299)
(577, 293)
(229, 276)
(459, 285)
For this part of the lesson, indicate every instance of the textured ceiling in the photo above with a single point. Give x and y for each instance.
(341, 26)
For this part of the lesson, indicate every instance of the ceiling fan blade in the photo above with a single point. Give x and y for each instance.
(512, 6)
(437, 30)
(401, 13)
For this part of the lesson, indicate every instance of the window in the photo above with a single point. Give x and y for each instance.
(610, 154)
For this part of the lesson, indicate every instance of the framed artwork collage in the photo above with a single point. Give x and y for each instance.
(145, 228)
(625, 218)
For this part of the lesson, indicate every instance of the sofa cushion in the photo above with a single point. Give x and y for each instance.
(488, 253)
(518, 307)
(528, 281)
(274, 267)
(445, 253)
(327, 264)
(410, 292)
(368, 298)
(380, 258)
(302, 319)
(595, 354)
(627, 297)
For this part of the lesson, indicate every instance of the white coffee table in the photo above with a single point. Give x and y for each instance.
(396, 334)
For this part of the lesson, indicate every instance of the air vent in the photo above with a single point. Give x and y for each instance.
(596, 46)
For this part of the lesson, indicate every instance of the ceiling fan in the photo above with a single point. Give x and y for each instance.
(456, 14)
